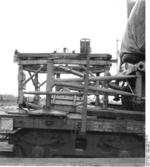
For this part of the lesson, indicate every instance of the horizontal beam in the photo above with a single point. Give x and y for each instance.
(121, 126)
(98, 109)
(81, 69)
(32, 62)
(53, 93)
(61, 55)
(65, 61)
(101, 78)
(97, 125)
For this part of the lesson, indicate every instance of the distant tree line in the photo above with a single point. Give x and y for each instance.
(7, 98)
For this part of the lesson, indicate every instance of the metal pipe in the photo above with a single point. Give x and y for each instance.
(100, 78)
(92, 88)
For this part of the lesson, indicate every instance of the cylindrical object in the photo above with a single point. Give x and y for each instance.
(141, 66)
(84, 45)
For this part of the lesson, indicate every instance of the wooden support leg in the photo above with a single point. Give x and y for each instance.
(49, 82)
(81, 140)
(84, 112)
(105, 98)
(97, 96)
(36, 82)
(21, 78)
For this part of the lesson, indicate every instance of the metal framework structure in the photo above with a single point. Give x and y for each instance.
(67, 123)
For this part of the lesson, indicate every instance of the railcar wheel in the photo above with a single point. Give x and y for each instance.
(18, 151)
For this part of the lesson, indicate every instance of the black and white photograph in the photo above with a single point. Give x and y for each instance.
(73, 83)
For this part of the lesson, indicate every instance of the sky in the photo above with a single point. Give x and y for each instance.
(48, 25)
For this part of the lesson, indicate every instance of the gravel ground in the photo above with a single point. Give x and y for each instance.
(73, 161)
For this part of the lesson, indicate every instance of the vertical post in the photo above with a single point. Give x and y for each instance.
(105, 97)
(85, 49)
(138, 86)
(81, 140)
(36, 98)
(21, 78)
(49, 82)
(118, 64)
(97, 94)
(36, 82)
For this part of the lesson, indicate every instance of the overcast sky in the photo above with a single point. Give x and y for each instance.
(47, 25)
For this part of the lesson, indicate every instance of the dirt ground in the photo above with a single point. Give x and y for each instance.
(73, 161)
